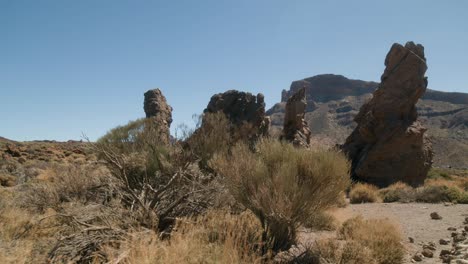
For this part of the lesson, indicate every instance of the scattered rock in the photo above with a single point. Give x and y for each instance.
(411, 240)
(159, 111)
(451, 229)
(444, 252)
(435, 216)
(295, 127)
(417, 257)
(459, 238)
(466, 228)
(389, 144)
(427, 253)
(431, 246)
(444, 241)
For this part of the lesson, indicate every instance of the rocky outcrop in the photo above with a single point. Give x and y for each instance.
(389, 144)
(159, 112)
(242, 110)
(295, 128)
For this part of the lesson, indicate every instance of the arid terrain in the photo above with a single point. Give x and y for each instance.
(334, 100)
(332, 175)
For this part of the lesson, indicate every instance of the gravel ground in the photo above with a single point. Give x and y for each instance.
(413, 219)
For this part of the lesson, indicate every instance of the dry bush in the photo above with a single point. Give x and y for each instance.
(379, 235)
(156, 181)
(67, 183)
(282, 185)
(216, 237)
(354, 252)
(440, 190)
(397, 192)
(211, 136)
(364, 193)
(7, 180)
(334, 251)
(321, 221)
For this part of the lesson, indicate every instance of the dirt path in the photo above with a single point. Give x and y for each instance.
(414, 221)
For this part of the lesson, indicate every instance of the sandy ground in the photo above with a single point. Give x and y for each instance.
(413, 220)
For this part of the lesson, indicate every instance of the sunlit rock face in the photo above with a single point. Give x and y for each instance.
(389, 143)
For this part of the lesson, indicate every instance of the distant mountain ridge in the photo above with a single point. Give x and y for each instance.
(334, 100)
(326, 87)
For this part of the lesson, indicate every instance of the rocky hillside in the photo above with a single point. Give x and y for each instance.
(334, 100)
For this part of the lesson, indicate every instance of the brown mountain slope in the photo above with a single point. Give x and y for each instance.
(334, 100)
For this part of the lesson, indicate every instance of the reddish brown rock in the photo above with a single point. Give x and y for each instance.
(295, 128)
(389, 144)
(242, 109)
(160, 112)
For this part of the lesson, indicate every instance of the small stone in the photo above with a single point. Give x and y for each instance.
(466, 221)
(446, 258)
(435, 216)
(454, 234)
(458, 238)
(444, 241)
(431, 246)
(451, 229)
(411, 240)
(417, 257)
(466, 228)
(427, 253)
(444, 252)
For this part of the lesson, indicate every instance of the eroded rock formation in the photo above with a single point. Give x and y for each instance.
(295, 128)
(160, 112)
(242, 110)
(389, 144)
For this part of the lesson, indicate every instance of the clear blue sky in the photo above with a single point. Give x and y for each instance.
(68, 67)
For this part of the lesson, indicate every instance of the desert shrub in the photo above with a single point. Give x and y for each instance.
(156, 181)
(7, 180)
(462, 182)
(282, 185)
(216, 237)
(354, 252)
(67, 183)
(379, 235)
(210, 138)
(438, 173)
(321, 221)
(137, 135)
(364, 193)
(436, 191)
(397, 192)
(334, 251)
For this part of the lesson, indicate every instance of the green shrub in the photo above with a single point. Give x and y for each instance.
(210, 138)
(282, 185)
(364, 193)
(438, 193)
(438, 173)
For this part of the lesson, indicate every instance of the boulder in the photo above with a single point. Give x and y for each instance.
(159, 112)
(295, 128)
(389, 143)
(243, 110)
